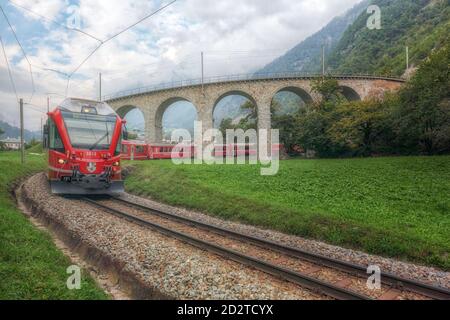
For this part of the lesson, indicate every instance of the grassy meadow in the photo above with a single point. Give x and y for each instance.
(31, 267)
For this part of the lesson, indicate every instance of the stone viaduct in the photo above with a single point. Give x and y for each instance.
(153, 102)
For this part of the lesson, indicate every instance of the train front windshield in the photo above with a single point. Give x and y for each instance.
(89, 131)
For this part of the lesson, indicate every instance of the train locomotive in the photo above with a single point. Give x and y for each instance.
(83, 139)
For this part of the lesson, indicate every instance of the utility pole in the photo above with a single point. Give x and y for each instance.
(100, 86)
(48, 104)
(22, 144)
(203, 75)
(407, 58)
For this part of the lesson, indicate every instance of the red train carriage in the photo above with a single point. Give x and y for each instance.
(235, 150)
(138, 150)
(84, 139)
(135, 150)
(166, 151)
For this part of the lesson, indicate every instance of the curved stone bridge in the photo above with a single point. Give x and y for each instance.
(153, 102)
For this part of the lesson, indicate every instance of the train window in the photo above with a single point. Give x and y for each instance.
(88, 131)
(45, 136)
(125, 149)
(55, 142)
(139, 149)
(87, 106)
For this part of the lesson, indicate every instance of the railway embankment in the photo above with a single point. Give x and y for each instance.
(145, 264)
(131, 261)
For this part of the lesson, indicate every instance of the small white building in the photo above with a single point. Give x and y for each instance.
(11, 144)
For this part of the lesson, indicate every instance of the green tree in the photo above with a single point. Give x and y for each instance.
(360, 125)
(422, 121)
(250, 121)
(288, 126)
(225, 125)
(246, 123)
(314, 124)
(330, 92)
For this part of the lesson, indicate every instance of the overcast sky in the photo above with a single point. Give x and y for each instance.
(237, 36)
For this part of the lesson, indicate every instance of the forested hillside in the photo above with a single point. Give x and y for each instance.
(351, 47)
(422, 25)
(13, 132)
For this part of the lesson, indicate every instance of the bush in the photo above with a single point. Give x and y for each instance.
(422, 119)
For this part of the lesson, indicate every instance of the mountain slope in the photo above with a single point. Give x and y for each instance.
(306, 56)
(422, 25)
(13, 132)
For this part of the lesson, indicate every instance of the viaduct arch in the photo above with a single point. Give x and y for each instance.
(154, 101)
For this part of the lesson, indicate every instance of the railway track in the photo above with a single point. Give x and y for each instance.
(184, 229)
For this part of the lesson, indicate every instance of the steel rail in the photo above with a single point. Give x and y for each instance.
(395, 281)
(300, 279)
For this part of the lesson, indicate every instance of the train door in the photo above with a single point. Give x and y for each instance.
(56, 150)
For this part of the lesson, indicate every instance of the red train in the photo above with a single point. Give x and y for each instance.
(84, 140)
(138, 150)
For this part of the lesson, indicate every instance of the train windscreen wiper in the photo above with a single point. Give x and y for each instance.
(99, 140)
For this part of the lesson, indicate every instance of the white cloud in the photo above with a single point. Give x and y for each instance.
(47, 8)
(237, 37)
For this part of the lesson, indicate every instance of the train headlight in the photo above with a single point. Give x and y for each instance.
(61, 161)
(116, 164)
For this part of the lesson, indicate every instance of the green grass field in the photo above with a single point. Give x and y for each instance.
(396, 207)
(31, 267)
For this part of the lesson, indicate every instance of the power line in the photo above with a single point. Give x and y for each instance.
(84, 61)
(134, 72)
(35, 107)
(55, 22)
(69, 76)
(53, 70)
(112, 37)
(119, 33)
(23, 51)
(141, 20)
(9, 70)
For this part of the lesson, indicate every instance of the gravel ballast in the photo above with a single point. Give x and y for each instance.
(146, 264)
(412, 271)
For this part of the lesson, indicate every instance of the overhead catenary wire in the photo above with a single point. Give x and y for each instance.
(141, 20)
(114, 36)
(54, 21)
(101, 42)
(158, 66)
(23, 52)
(165, 66)
(119, 33)
(9, 70)
(35, 107)
(161, 67)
